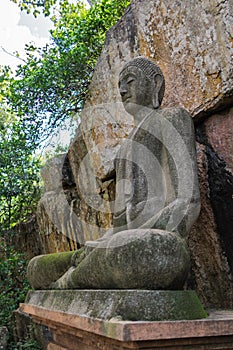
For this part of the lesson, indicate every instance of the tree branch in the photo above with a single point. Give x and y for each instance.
(12, 55)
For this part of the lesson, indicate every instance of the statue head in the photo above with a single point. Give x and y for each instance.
(141, 84)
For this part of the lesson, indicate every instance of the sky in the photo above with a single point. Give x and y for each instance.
(17, 29)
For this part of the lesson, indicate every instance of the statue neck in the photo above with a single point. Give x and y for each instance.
(141, 114)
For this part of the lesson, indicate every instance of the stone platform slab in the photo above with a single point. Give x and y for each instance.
(72, 330)
(125, 305)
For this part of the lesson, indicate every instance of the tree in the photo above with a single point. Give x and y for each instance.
(52, 84)
(19, 173)
(36, 6)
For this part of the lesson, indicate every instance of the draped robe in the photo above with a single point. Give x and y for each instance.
(156, 174)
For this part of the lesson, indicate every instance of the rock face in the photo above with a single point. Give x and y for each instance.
(54, 213)
(192, 42)
(211, 240)
(26, 238)
(195, 55)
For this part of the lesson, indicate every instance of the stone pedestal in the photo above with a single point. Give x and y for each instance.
(66, 325)
(69, 332)
(121, 305)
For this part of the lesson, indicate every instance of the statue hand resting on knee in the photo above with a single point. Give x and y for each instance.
(157, 198)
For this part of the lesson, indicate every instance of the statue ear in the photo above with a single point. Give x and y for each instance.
(157, 83)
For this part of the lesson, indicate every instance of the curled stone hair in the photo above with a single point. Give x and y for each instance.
(149, 68)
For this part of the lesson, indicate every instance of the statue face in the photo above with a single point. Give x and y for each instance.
(135, 89)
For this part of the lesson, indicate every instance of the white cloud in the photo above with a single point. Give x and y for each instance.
(14, 35)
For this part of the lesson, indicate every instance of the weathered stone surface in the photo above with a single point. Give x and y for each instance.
(131, 259)
(156, 174)
(92, 204)
(134, 305)
(196, 62)
(211, 240)
(149, 259)
(41, 270)
(4, 336)
(52, 173)
(81, 332)
(219, 133)
(211, 274)
(58, 228)
(192, 42)
(220, 177)
(25, 238)
(69, 211)
(102, 127)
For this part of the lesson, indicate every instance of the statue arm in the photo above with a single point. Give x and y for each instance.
(183, 211)
(183, 199)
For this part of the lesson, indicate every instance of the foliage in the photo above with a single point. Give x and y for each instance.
(52, 84)
(30, 344)
(19, 172)
(19, 190)
(13, 289)
(13, 285)
(36, 6)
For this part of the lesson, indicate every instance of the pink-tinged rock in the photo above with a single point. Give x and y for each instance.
(219, 131)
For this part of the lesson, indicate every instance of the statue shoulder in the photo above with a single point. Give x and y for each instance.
(164, 119)
(175, 113)
(179, 117)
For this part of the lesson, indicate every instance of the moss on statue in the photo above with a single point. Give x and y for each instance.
(124, 305)
(48, 267)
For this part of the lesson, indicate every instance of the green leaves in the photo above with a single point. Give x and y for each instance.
(13, 286)
(19, 172)
(36, 6)
(53, 83)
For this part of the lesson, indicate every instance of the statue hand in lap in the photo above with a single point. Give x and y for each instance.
(157, 198)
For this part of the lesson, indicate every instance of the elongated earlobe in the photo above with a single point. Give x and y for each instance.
(157, 83)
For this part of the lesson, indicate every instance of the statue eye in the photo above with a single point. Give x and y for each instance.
(130, 80)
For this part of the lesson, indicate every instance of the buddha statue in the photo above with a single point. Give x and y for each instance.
(157, 199)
